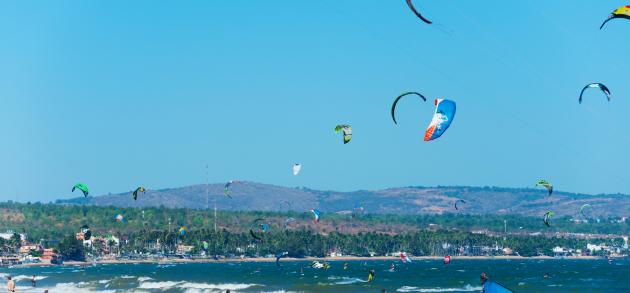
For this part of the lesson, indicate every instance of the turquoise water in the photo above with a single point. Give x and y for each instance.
(420, 276)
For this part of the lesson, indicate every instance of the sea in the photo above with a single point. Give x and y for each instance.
(527, 275)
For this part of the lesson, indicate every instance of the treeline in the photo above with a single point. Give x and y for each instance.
(302, 243)
(351, 233)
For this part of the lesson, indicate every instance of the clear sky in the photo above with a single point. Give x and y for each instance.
(117, 94)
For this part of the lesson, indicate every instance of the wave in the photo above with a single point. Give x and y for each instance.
(466, 288)
(348, 281)
(194, 287)
(28, 278)
(159, 285)
(81, 287)
(222, 287)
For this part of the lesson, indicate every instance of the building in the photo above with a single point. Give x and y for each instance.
(184, 249)
(26, 248)
(47, 255)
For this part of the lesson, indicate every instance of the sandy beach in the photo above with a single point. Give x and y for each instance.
(307, 259)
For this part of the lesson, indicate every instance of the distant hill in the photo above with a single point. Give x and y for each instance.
(249, 196)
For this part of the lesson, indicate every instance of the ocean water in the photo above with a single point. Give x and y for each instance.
(419, 276)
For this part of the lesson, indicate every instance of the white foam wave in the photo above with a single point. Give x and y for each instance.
(28, 278)
(348, 281)
(466, 288)
(144, 279)
(226, 286)
(159, 285)
(127, 277)
(80, 287)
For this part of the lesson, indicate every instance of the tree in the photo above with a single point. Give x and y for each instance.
(71, 249)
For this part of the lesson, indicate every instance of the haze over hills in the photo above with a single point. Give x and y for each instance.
(249, 196)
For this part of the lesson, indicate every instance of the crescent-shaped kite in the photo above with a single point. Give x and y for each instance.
(417, 13)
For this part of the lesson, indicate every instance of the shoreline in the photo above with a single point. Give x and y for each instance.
(307, 259)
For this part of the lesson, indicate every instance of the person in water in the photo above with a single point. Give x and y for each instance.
(370, 275)
(10, 284)
(33, 281)
(483, 278)
(345, 265)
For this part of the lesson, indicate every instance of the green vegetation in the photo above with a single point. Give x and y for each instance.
(359, 235)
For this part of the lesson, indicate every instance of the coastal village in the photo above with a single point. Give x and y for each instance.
(109, 248)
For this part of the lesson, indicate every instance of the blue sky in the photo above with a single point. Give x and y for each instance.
(121, 93)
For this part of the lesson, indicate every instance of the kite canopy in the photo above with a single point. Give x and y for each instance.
(316, 215)
(347, 132)
(296, 168)
(621, 12)
(183, 230)
(459, 200)
(134, 194)
(226, 188)
(417, 13)
(119, 218)
(584, 206)
(82, 187)
(602, 87)
(444, 114)
(258, 229)
(546, 217)
(87, 234)
(544, 183)
(398, 98)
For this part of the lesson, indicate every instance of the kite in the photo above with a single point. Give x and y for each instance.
(296, 168)
(582, 209)
(259, 226)
(254, 235)
(544, 183)
(183, 231)
(621, 12)
(316, 215)
(119, 218)
(398, 98)
(602, 87)
(226, 188)
(82, 187)
(347, 132)
(417, 13)
(548, 215)
(205, 245)
(459, 200)
(444, 114)
(134, 194)
(87, 234)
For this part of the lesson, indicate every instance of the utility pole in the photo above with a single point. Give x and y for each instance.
(504, 230)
